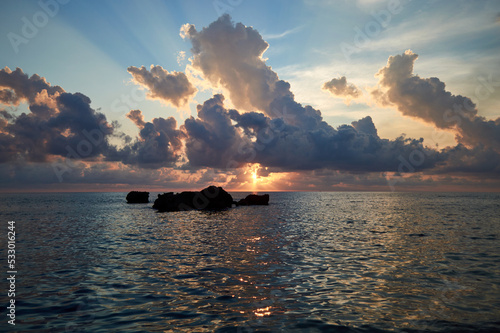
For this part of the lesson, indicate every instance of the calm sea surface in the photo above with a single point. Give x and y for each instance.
(308, 262)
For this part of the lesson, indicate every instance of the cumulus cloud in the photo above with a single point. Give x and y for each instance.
(136, 117)
(16, 87)
(159, 143)
(173, 88)
(365, 125)
(340, 88)
(212, 140)
(225, 138)
(427, 99)
(479, 160)
(59, 123)
(230, 55)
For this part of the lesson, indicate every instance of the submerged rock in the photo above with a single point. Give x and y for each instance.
(210, 198)
(254, 199)
(138, 197)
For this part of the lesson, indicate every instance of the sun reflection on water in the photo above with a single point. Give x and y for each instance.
(261, 312)
(325, 258)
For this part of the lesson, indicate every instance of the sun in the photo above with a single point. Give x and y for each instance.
(254, 177)
(257, 178)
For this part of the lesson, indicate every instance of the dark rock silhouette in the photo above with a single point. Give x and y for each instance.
(138, 197)
(254, 199)
(210, 198)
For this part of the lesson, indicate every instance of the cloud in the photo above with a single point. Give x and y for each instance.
(181, 56)
(424, 99)
(427, 99)
(479, 160)
(283, 34)
(230, 55)
(98, 176)
(16, 87)
(173, 88)
(59, 123)
(365, 125)
(136, 117)
(212, 140)
(159, 143)
(223, 138)
(340, 88)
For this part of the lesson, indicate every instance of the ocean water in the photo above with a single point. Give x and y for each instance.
(308, 262)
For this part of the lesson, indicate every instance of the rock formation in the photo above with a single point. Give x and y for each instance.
(254, 199)
(138, 197)
(210, 198)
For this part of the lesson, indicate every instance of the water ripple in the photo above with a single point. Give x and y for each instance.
(308, 262)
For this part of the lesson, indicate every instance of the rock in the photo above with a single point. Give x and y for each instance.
(210, 198)
(254, 199)
(138, 197)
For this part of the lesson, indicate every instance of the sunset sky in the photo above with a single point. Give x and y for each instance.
(311, 95)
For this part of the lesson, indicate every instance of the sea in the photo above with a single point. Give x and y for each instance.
(307, 262)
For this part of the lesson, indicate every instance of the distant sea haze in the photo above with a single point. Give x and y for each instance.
(308, 262)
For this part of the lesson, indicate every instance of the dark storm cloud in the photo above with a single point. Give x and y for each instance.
(228, 138)
(158, 145)
(59, 123)
(16, 86)
(64, 124)
(428, 100)
(173, 87)
(479, 160)
(365, 125)
(340, 88)
(212, 140)
(8, 97)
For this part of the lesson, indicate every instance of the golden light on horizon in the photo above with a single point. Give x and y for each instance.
(256, 178)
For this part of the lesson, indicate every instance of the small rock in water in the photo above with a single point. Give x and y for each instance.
(254, 199)
(138, 197)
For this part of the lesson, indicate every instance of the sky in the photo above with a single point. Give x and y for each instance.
(310, 95)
